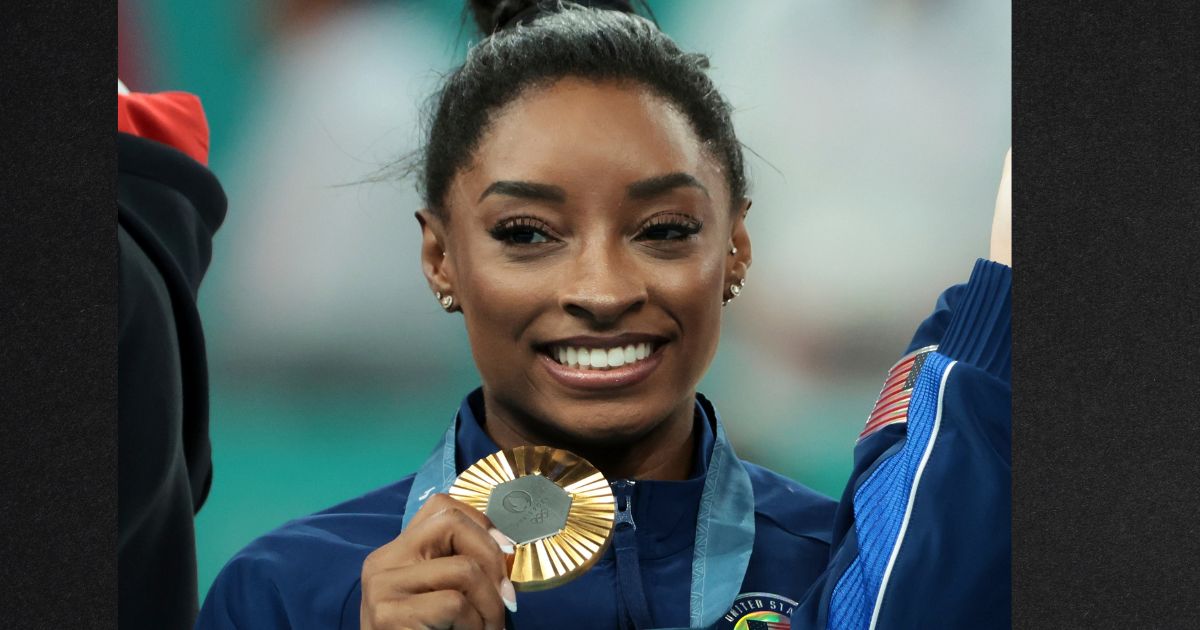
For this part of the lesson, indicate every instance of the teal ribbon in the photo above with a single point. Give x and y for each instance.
(724, 523)
(435, 475)
(724, 534)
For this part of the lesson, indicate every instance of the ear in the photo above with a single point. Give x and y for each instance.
(739, 238)
(435, 263)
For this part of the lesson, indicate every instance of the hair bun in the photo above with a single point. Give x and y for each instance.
(496, 15)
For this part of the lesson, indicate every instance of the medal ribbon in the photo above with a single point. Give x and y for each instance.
(724, 523)
(435, 475)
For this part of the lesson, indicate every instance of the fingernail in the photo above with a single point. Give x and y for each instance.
(509, 595)
(506, 543)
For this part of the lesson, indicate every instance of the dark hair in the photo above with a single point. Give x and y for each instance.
(534, 43)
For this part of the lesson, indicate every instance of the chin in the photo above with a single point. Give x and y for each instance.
(606, 423)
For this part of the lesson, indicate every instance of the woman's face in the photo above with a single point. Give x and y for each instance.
(588, 246)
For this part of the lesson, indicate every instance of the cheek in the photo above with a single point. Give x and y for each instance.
(691, 282)
(501, 291)
(692, 293)
(500, 303)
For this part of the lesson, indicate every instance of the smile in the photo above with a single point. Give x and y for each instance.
(600, 358)
(592, 364)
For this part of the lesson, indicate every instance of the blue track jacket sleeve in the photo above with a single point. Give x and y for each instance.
(921, 538)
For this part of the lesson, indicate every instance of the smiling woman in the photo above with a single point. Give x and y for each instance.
(605, 231)
(586, 213)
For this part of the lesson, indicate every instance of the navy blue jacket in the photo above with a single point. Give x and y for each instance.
(920, 538)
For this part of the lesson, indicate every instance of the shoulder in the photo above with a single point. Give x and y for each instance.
(306, 568)
(789, 505)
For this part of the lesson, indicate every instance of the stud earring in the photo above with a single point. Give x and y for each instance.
(735, 290)
(447, 302)
(733, 250)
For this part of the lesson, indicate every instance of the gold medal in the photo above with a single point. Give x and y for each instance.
(553, 504)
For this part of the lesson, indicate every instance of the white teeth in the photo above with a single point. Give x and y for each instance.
(601, 358)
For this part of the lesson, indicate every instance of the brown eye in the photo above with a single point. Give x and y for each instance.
(666, 233)
(669, 227)
(521, 231)
(524, 236)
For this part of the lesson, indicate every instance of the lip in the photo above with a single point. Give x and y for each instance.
(612, 378)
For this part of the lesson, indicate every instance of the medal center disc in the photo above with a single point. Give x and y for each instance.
(528, 508)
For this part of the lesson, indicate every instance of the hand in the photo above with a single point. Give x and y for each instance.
(1001, 250)
(447, 570)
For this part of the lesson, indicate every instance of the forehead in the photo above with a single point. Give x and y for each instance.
(582, 131)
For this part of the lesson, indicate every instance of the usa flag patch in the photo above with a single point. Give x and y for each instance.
(892, 405)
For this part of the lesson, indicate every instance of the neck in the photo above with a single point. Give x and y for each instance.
(665, 452)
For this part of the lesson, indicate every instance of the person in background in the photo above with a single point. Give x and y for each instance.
(169, 205)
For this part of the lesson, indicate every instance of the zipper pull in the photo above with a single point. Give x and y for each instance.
(623, 489)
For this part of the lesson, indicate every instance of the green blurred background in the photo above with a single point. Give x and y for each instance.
(878, 128)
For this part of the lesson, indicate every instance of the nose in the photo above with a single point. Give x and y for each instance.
(602, 285)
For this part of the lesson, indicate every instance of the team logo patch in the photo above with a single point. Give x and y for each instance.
(758, 611)
(892, 405)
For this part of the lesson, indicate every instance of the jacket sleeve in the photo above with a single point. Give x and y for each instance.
(245, 596)
(921, 538)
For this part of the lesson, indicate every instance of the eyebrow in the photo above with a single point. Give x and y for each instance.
(640, 190)
(655, 186)
(526, 190)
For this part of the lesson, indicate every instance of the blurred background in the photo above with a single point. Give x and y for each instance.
(878, 130)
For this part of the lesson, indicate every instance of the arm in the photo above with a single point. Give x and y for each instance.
(921, 537)
(244, 596)
(446, 569)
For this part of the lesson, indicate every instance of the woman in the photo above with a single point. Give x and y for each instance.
(586, 205)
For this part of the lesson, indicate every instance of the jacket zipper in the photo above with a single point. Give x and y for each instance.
(629, 571)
